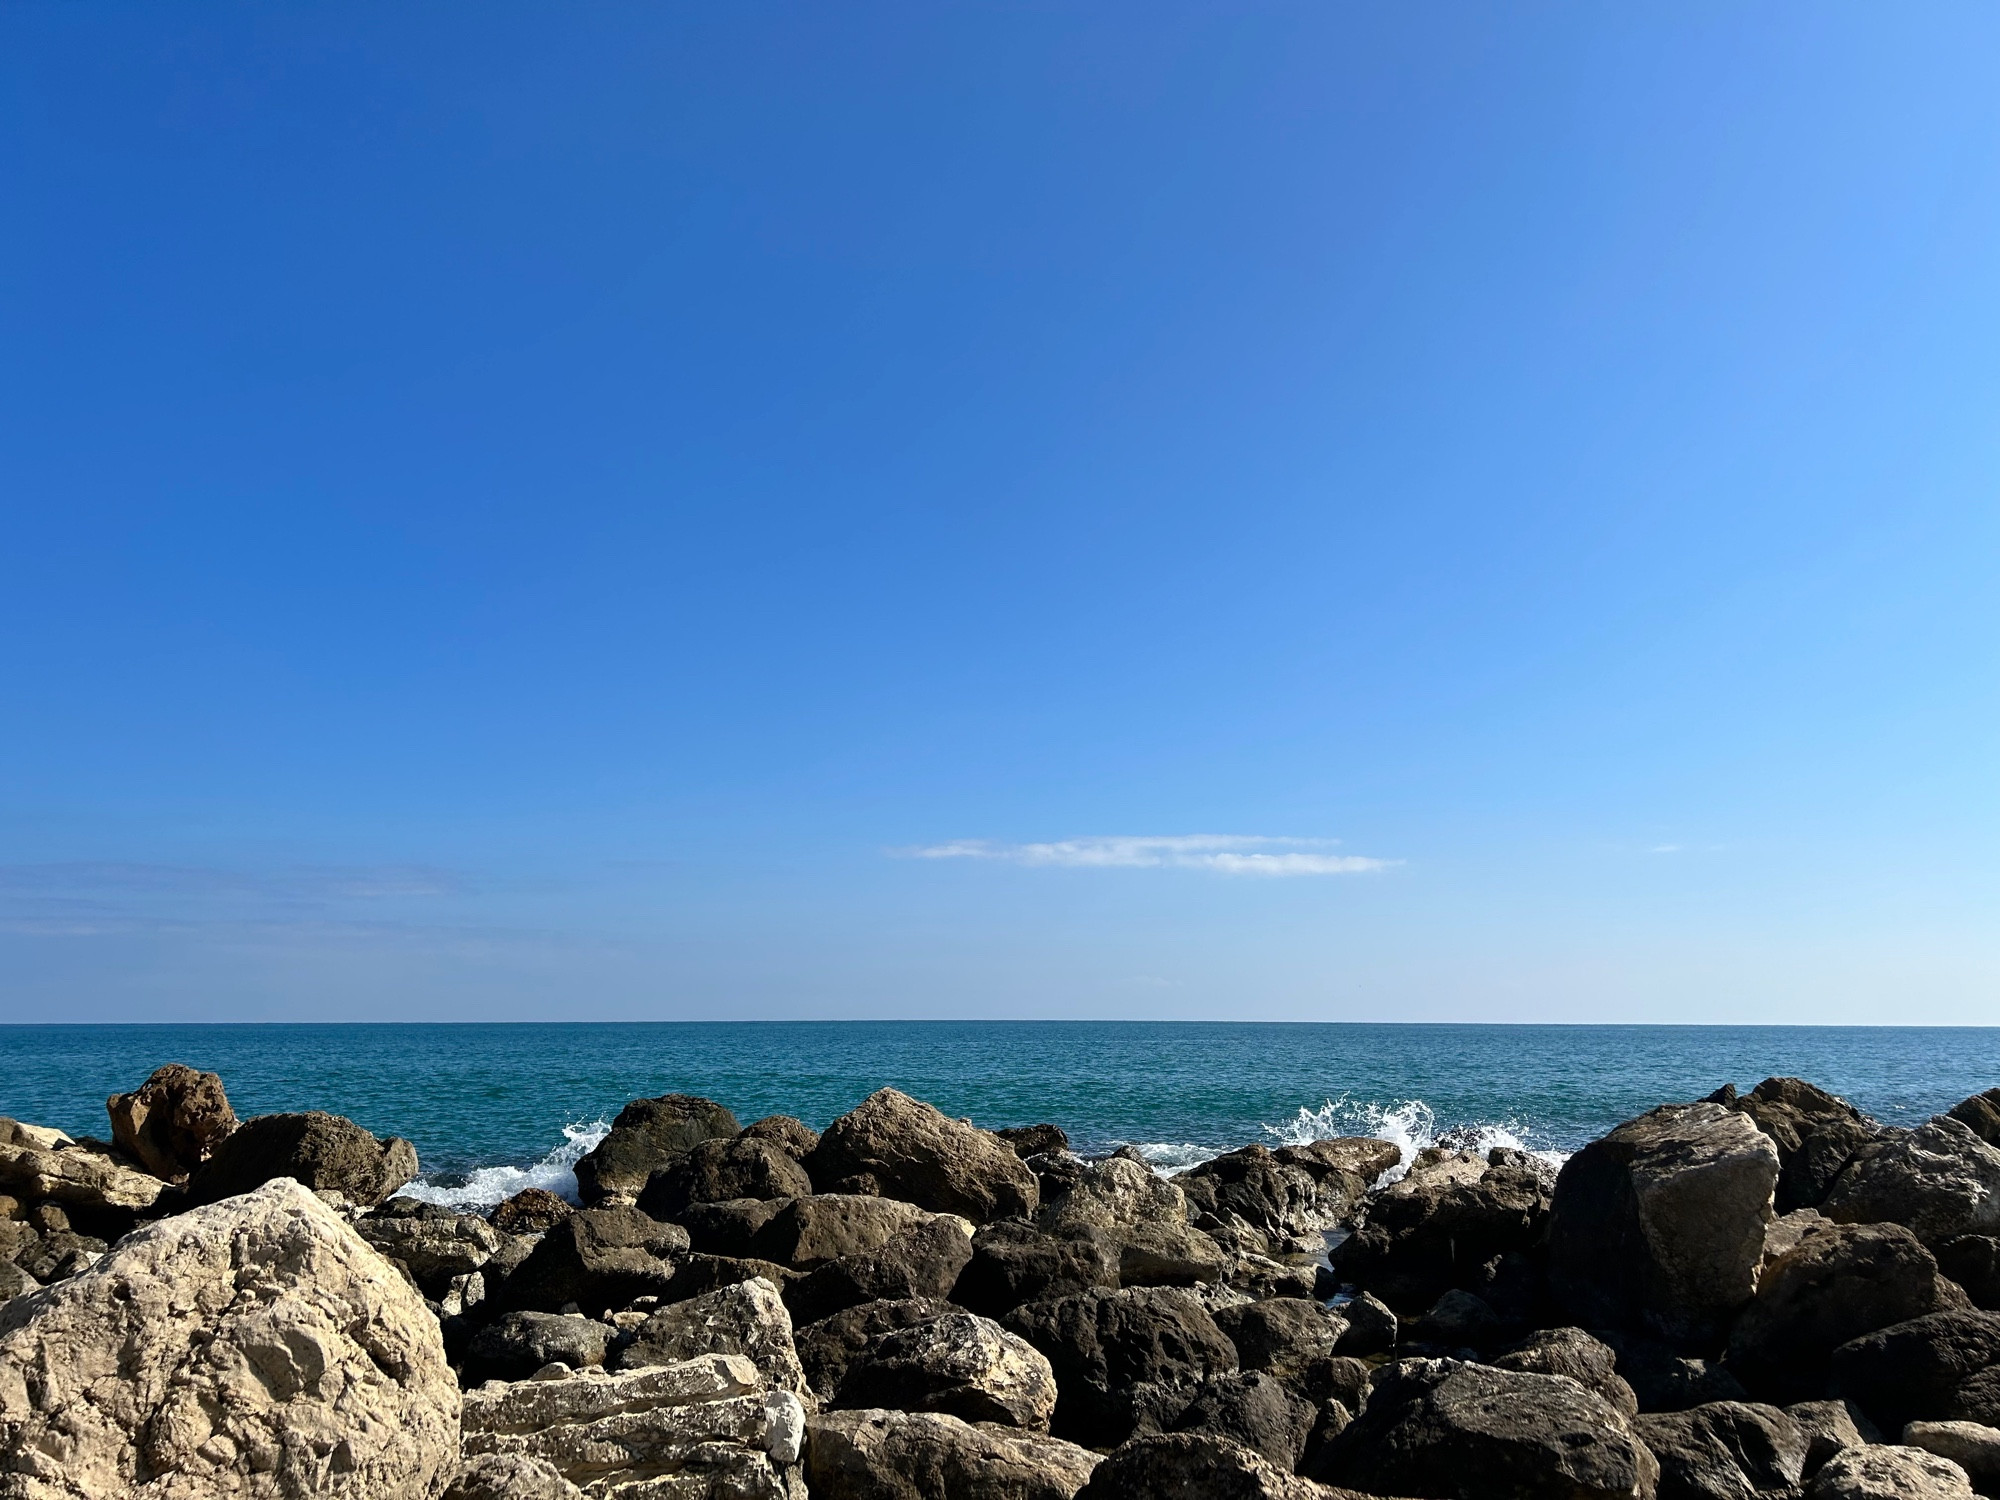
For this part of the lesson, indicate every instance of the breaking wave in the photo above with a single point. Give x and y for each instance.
(485, 1186)
(1411, 1126)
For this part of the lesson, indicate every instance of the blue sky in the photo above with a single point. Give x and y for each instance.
(1320, 511)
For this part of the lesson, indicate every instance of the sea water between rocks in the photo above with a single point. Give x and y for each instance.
(495, 1108)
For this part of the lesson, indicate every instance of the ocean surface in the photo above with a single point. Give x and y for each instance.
(493, 1108)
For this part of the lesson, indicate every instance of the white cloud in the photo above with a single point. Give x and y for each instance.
(1224, 854)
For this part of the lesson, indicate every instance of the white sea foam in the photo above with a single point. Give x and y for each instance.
(1170, 1158)
(1410, 1126)
(485, 1186)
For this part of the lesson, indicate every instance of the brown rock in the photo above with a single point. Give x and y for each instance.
(172, 1122)
(917, 1153)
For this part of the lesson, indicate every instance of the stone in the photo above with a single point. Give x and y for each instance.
(1283, 1335)
(1253, 1408)
(716, 1171)
(510, 1476)
(517, 1344)
(1981, 1115)
(60, 1254)
(172, 1122)
(1725, 1451)
(1034, 1140)
(1125, 1361)
(15, 1282)
(917, 1153)
(1259, 1278)
(748, 1318)
(1146, 1215)
(1371, 1327)
(1911, 1372)
(431, 1242)
(1459, 1320)
(1014, 1262)
(922, 1261)
(1345, 1169)
(805, 1233)
(1273, 1197)
(1196, 1466)
(961, 1364)
(1659, 1227)
(897, 1455)
(255, 1347)
(597, 1258)
(794, 1137)
(1816, 1135)
(530, 1211)
(827, 1347)
(1829, 1428)
(326, 1153)
(93, 1183)
(647, 1135)
(695, 1275)
(1890, 1473)
(1939, 1181)
(728, 1228)
(1438, 1427)
(1973, 1446)
(1972, 1261)
(1590, 1362)
(39, 1137)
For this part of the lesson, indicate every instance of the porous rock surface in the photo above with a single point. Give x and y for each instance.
(960, 1364)
(899, 1455)
(172, 1122)
(904, 1148)
(327, 1153)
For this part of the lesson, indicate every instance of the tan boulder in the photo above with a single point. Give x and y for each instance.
(172, 1122)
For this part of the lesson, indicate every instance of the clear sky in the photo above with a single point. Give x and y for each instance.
(1322, 510)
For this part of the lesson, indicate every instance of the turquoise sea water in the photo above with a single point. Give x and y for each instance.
(495, 1100)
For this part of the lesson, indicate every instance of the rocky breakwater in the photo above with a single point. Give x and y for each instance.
(1756, 1295)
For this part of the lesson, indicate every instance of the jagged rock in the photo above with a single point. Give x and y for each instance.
(1014, 1262)
(1830, 1427)
(1284, 1335)
(1981, 1115)
(1885, 1473)
(530, 1211)
(255, 1347)
(104, 1187)
(730, 1227)
(917, 1153)
(748, 1318)
(1459, 1320)
(597, 1258)
(1196, 1466)
(1973, 1446)
(15, 1282)
(1125, 1361)
(702, 1427)
(1816, 1135)
(647, 1135)
(1939, 1180)
(897, 1455)
(510, 1476)
(517, 1344)
(960, 1364)
(1273, 1197)
(808, 1232)
(829, 1345)
(327, 1153)
(1725, 1451)
(59, 1255)
(1591, 1363)
(1145, 1214)
(1034, 1140)
(794, 1137)
(1259, 1278)
(40, 1137)
(696, 1275)
(1253, 1408)
(432, 1243)
(172, 1122)
(716, 1171)
(1911, 1372)
(1437, 1427)
(1371, 1327)
(1345, 1169)
(922, 1261)
(1660, 1225)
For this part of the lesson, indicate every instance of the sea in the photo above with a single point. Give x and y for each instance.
(495, 1108)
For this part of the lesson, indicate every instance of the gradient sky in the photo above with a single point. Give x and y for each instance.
(1326, 511)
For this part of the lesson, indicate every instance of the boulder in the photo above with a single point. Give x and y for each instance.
(1914, 1371)
(1939, 1180)
(327, 1153)
(172, 1122)
(517, 1344)
(961, 1364)
(1725, 1451)
(1438, 1427)
(748, 1318)
(1973, 1446)
(1885, 1473)
(530, 1211)
(15, 1282)
(1273, 1197)
(1659, 1227)
(1125, 1361)
(510, 1476)
(829, 1345)
(1259, 1277)
(1015, 1262)
(897, 1455)
(1981, 1115)
(794, 1137)
(716, 1171)
(432, 1243)
(805, 1233)
(1196, 1466)
(730, 1227)
(647, 1135)
(922, 1261)
(1286, 1336)
(1345, 1169)
(1591, 1363)
(1145, 1214)
(1459, 1320)
(59, 1254)
(1816, 1135)
(255, 1347)
(1830, 1427)
(1253, 1408)
(913, 1151)
(1034, 1140)
(696, 1275)
(597, 1258)
(1371, 1327)
(702, 1427)
(1972, 1262)
(97, 1185)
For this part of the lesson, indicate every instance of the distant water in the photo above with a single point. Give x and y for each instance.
(494, 1108)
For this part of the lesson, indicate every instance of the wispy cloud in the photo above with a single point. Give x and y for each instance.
(1224, 854)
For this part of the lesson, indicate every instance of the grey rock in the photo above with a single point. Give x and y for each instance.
(432, 1243)
(794, 1137)
(1459, 1320)
(896, 1455)
(326, 1153)
(1253, 1408)
(647, 1135)
(808, 1232)
(1145, 1214)
(1591, 1363)
(495, 1476)
(1973, 1446)
(1284, 1335)
(1972, 1261)
(1830, 1427)
(748, 1318)
(1274, 1197)
(1725, 1451)
(1014, 1262)
(728, 1228)
(517, 1344)
(1939, 1180)
(1034, 1140)
(87, 1181)
(598, 1259)
(827, 1347)
(917, 1153)
(960, 1364)
(1914, 1371)
(1196, 1466)
(922, 1261)
(1816, 1135)
(1371, 1327)
(1890, 1473)
(715, 1171)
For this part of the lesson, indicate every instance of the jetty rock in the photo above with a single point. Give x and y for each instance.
(326, 1153)
(172, 1122)
(899, 1455)
(254, 1347)
(960, 1364)
(1940, 1181)
(647, 1135)
(899, 1147)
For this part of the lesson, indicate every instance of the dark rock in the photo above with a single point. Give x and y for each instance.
(1271, 1196)
(919, 1154)
(597, 1258)
(1830, 1427)
(432, 1243)
(696, 1275)
(1459, 1320)
(1973, 1446)
(961, 1364)
(1056, 1172)
(1725, 1451)
(900, 1455)
(1284, 1335)
(327, 1153)
(1345, 1169)
(1255, 1409)
(1195, 1466)
(15, 1282)
(794, 1137)
(530, 1211)
(1014, 1262)
(1981, 1115)
(747, 1318)
(827, 1347)
(517, 1344)
(728, 1228)
(922, 1261)
(59, 1255)
(172, 1122)
(1664, 1380)
(1816, 1134)
(1371, 1327)
(1912, 1371)
(647, 1135)
(1591, 1363)
(1659, 1227)
(1260, 1278)
(1033, 1140)
(715, 1171)
(1973, 1262)
(1146, 1215)
(1125, 1361)
(807, 1232)
(1939, 1181)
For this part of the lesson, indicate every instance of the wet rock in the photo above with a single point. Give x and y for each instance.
(1816, 1135)
(827, 1347)
(647, 1135)
(961, 1364)
(1034, 1140)
(1886, 1473)
(1014, 1262)
(326, 1153)
(1591, 1363)
(1273, 1197)
(530, 1211)
(1659, 1227)
(794, 1137)
(1829, 1428)
(1939, 1181)
(917, 1153)
(432, 1243)
(597, 1258)
(1345, 1169)
(876, 1455)
(716, 1171)
(922, 1261)
(1911, 1372)
(748, 1318)
(255, 1347)
(1196, 1466)
(172, 1122)
(517, 1344)
(1725, 1451)
(495, 1476)
(804, 1233)
(1253, 1408)
(1145, 1214)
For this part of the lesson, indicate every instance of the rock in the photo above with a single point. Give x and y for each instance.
(1939, 1180)
(1371, 1327)
(1591, 1363)
(1034, 1140)
(1260, 1278)
(1125, 1361)
(1014, 1262)
(96, 1184)
(172, 1122)
(702, 1427)
(1972, 1261)
(1437, 1427)
(1981, 1115)
(647, 1135)
(1829, 1428)
(1435, 1229)
(1283, 1335)
(1145, 1214)
(255, 1347)
(1816, 1134)
(39, 1137)
(716, 1171)
(59, 1255)
(1660, 1225)
(496, 1476)
(1882, 1473)
(326, 1153)
(748, 1318)
(1835, 1284)
(530, 1211)
(727, 1228)
(804, 1233)
(1973, 1446)
(432, 1243)
(597, 1258)
(697, 1275)
(1195, 1466)
(922, 1261)
(961, 1364)
(1274, 1197)
(1253, 1408)
(794, 1137)
(1911, 1372)
(517, 1344)
(827, 1347)
(875, 1455)
(1459, 1320)
(1725, 1451)
(1345, 1169)
(922, 1156)
(15, 1282)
